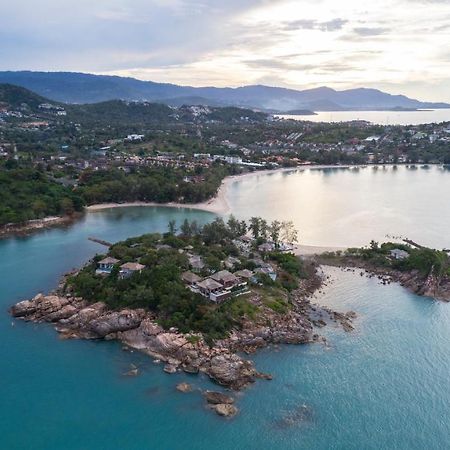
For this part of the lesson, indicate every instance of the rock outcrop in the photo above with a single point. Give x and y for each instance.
(225, 409)
(216, 398)
(137, 329)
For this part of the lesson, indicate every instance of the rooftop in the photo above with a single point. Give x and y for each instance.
(109, 260)
(132, 266)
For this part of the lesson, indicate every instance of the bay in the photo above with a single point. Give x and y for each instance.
(378, 117)
(384, 386)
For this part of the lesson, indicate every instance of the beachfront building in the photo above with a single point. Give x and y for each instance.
(267, 270)
(128, 269)
(231, 262)
(105, 266)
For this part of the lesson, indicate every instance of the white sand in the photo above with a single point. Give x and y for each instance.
(218, 204)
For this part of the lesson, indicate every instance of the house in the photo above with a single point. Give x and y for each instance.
(190, 279)
(243, 243)
(208, 286)
(196, 263)
(225, 278)
(231, 262)
(399, 254)
(105, 266)
(163, 247)
(213, 290)
(244, 274)
(128, 269)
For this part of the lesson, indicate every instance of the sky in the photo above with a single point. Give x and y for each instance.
(399, 46)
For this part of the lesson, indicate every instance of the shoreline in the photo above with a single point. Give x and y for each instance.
(36, 225)
(219, 203)
(224, 362)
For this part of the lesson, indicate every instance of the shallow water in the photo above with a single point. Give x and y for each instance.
(384, 386)
(351, 206)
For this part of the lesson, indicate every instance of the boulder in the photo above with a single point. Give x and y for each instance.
(170, 368)
(216, 398)
(116, 321)
(225, 409)
(184, 387)
(231, 370)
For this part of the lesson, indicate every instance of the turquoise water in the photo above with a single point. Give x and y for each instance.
(385, 386)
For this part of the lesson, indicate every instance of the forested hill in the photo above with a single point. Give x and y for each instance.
(88, 88)
(16, 97)
(119, 111)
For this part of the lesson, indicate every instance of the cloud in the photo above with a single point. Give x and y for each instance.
(370, 31)
(311, 24)
(299, 43)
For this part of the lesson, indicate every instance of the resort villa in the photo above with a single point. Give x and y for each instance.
(128, 269)
(105, 266)
(220, 285)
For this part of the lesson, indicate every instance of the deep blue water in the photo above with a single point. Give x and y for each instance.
(384, 386)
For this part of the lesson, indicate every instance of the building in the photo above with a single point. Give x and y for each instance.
(210, 288)
(134, 137)
(128, 269)
(244, 274)
(196, 263)
(225, 278)
(231, 262)
(105, 266)
(399, 254)
(191, 279)
(268, 270)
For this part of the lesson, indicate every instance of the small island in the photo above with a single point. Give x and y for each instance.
(194, 298)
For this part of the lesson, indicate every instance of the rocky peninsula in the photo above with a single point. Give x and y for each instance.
(421, 270)
(159, 308)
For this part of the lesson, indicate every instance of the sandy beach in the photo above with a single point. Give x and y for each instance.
(219, 204)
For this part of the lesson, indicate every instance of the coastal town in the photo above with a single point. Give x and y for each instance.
(58, 158)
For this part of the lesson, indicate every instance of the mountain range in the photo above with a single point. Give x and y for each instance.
(72, 87)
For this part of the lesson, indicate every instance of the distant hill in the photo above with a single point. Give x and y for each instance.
(86, 88)
(16, 97)
(121, 111)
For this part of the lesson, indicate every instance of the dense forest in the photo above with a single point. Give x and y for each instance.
(31, 193)
(28, 193)
(152, 184)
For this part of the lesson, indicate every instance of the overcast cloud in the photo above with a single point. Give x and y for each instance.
(399, 46)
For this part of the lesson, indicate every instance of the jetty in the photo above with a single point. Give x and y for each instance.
(100, 241)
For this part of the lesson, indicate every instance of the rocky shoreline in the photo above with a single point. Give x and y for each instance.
(74, 318)
(32, 226)
(424, 286)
